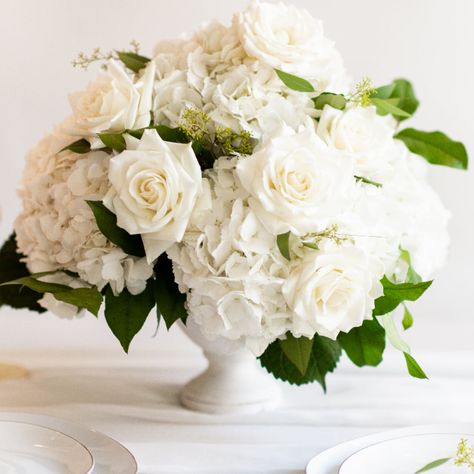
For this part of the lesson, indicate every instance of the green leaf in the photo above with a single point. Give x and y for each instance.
(283, 242)
(405, 291)
(413, 368)
(170, 301)
(169, 134)
(12, 267)
(393, 335)
(368, 181)
(364, 345)
(311, 245)
(89, 299)
(325, 354)
(37, 285)
(107, 223)
(337, 101)
(395, 293)
(294, 82)
(389, 106)
(125, 313)
(113, 140)
(298, 351)
(412, 276)
(79, 146)
(432, 465)
(402, 91)
(133, 61)
(436, 147)
(407, 321)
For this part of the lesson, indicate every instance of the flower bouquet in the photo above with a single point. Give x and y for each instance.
(239, 180)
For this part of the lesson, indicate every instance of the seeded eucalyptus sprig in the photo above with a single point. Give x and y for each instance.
(132, 59)
(464, 457)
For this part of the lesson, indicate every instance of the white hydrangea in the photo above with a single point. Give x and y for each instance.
(57, 230)
(231, 266)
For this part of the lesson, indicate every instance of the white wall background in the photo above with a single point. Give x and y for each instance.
(428, 41)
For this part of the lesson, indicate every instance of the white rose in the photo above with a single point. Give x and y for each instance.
(295, 182)
(154, 187)
(332, 291)
(113, 102)
(361, 132)
(290, 39)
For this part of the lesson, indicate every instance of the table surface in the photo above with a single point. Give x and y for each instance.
(136, 402)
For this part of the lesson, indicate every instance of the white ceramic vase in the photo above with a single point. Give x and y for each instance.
(233, 383)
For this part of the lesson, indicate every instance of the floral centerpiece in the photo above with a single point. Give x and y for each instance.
(238, 178)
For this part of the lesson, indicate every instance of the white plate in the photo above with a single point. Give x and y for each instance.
(26, 448)
(407, 454)
(330, 461)
(110, 457)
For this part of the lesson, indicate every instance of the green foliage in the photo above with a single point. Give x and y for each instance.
(107, 223)
(436, 147)
(365, 344)
(337, 101)
(401, 92)
(325, 354)
(168, 134)
(170, 301)
(407, 321)
(115, 141)
(89, 299)
(368, 181)
(392, 333)
(412, 276)
(12, 267)
(294, 82)
(125, 313)
(79, 146)
(297, 351)
(394, 294)
(413, 367)
(86, 298)
(389, 106)
(133, 61)
(433, 464)
(283, 243)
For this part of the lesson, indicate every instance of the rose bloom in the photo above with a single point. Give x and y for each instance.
(154, 187)
(333, 290)
(290, 39)
(361, 132)
(113, 102)
(296, 183)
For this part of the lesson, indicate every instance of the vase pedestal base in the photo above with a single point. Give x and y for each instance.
(233, 384)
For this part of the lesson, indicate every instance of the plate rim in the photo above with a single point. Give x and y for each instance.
(383, 441)
(42, 420)
(60, 433)
(388, 434)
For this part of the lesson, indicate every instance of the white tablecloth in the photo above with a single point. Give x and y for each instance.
(136, 402)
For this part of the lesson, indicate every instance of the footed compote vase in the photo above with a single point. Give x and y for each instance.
(233, 382)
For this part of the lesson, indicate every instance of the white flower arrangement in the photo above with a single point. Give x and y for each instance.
(235, 179)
